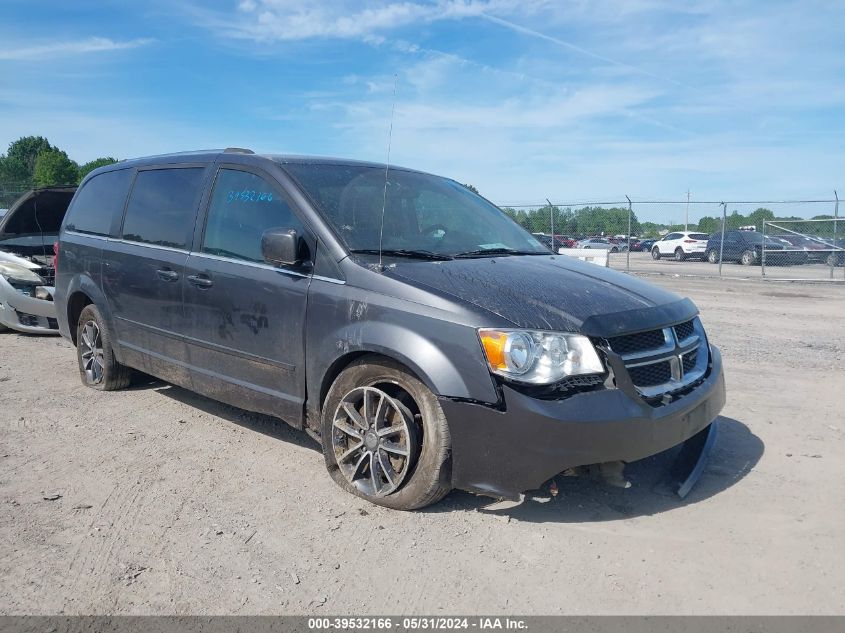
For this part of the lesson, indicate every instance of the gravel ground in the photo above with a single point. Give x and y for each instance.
(157, 501)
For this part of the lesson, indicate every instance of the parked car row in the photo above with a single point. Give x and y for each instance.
(748, 248)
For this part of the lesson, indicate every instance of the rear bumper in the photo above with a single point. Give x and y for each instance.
(504, 453)
(26, 314)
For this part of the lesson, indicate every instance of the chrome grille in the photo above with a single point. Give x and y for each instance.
(663, 361)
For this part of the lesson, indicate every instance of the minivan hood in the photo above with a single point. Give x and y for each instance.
(552, 293)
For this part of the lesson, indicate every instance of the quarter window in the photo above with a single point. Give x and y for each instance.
(162, 207)
(99, 201)
(243, 206)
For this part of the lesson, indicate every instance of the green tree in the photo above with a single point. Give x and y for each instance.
(27, 149)
(55, 168)
(13, 171)
(90, 166)
(709, 225)
(470, 187)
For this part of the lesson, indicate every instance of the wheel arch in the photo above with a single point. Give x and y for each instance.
(82, 291)
(76, 303)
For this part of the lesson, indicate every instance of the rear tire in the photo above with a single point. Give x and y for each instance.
(614, 250)
(679, 255)
(747, 258)
(424, 473)
(655, 253)
(98, 368)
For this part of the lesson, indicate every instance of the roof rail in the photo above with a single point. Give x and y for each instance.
(237, 150)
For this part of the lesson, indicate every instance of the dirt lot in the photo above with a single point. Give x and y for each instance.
(172, 503)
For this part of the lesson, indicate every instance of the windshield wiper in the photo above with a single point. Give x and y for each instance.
(401, 252)
(498, 251)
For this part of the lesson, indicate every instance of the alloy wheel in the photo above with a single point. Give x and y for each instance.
(92, 353)
(373, 440)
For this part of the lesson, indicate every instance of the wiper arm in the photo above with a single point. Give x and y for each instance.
(498, 251)
(401, 252)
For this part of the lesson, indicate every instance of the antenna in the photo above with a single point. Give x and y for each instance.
(386, 169)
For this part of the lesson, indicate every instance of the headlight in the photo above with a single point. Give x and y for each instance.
(15, 272)
(537, 357)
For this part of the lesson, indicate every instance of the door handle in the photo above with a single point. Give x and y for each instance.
(166, 274)
(200, 281)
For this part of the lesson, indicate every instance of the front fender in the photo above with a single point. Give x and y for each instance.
(444, 354)
(411, 349)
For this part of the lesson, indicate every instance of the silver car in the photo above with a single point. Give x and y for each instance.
(599, 243)
(28, 231)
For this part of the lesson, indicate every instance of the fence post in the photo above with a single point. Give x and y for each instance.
(628, 260)
(722, 242)
(763, 252)
(552, 223)
(834, 253)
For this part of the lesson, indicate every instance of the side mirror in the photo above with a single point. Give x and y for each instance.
(280, 246)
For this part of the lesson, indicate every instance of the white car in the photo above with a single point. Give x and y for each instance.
(681, 245)
(598, 242)
(27, 233)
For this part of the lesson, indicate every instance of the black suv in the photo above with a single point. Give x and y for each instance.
(409, 325)
(746, 247)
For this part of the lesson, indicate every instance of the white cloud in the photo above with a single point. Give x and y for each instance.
(12, 52)
(283, 20)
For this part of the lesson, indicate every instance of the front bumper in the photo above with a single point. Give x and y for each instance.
(504, 453)
(27, 314)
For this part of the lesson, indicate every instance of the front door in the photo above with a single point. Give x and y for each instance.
(247, 317)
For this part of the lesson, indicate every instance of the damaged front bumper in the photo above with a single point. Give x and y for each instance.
(502, 453)
(25, 313)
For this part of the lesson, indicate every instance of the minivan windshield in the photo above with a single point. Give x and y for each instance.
(425, 216)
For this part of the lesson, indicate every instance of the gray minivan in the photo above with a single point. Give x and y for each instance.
(425, 339)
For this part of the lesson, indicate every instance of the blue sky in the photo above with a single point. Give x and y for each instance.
(526, 100)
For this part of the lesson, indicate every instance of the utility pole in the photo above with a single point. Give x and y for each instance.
(686, 221)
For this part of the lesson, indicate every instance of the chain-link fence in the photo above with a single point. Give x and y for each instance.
(11, 191)
(770, 239)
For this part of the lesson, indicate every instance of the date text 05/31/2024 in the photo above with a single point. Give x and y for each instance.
(416, 623)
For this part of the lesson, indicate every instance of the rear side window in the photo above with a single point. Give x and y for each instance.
(99, 202)
(243, 206)
(162, 207)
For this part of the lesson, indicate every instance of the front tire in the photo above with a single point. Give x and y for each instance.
(385, 437)
(655, 253)
(712, 257)
(98, 367)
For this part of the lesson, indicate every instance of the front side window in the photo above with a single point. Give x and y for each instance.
(243, 206)
(163, 205)
(99, 201)
(422, 213)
